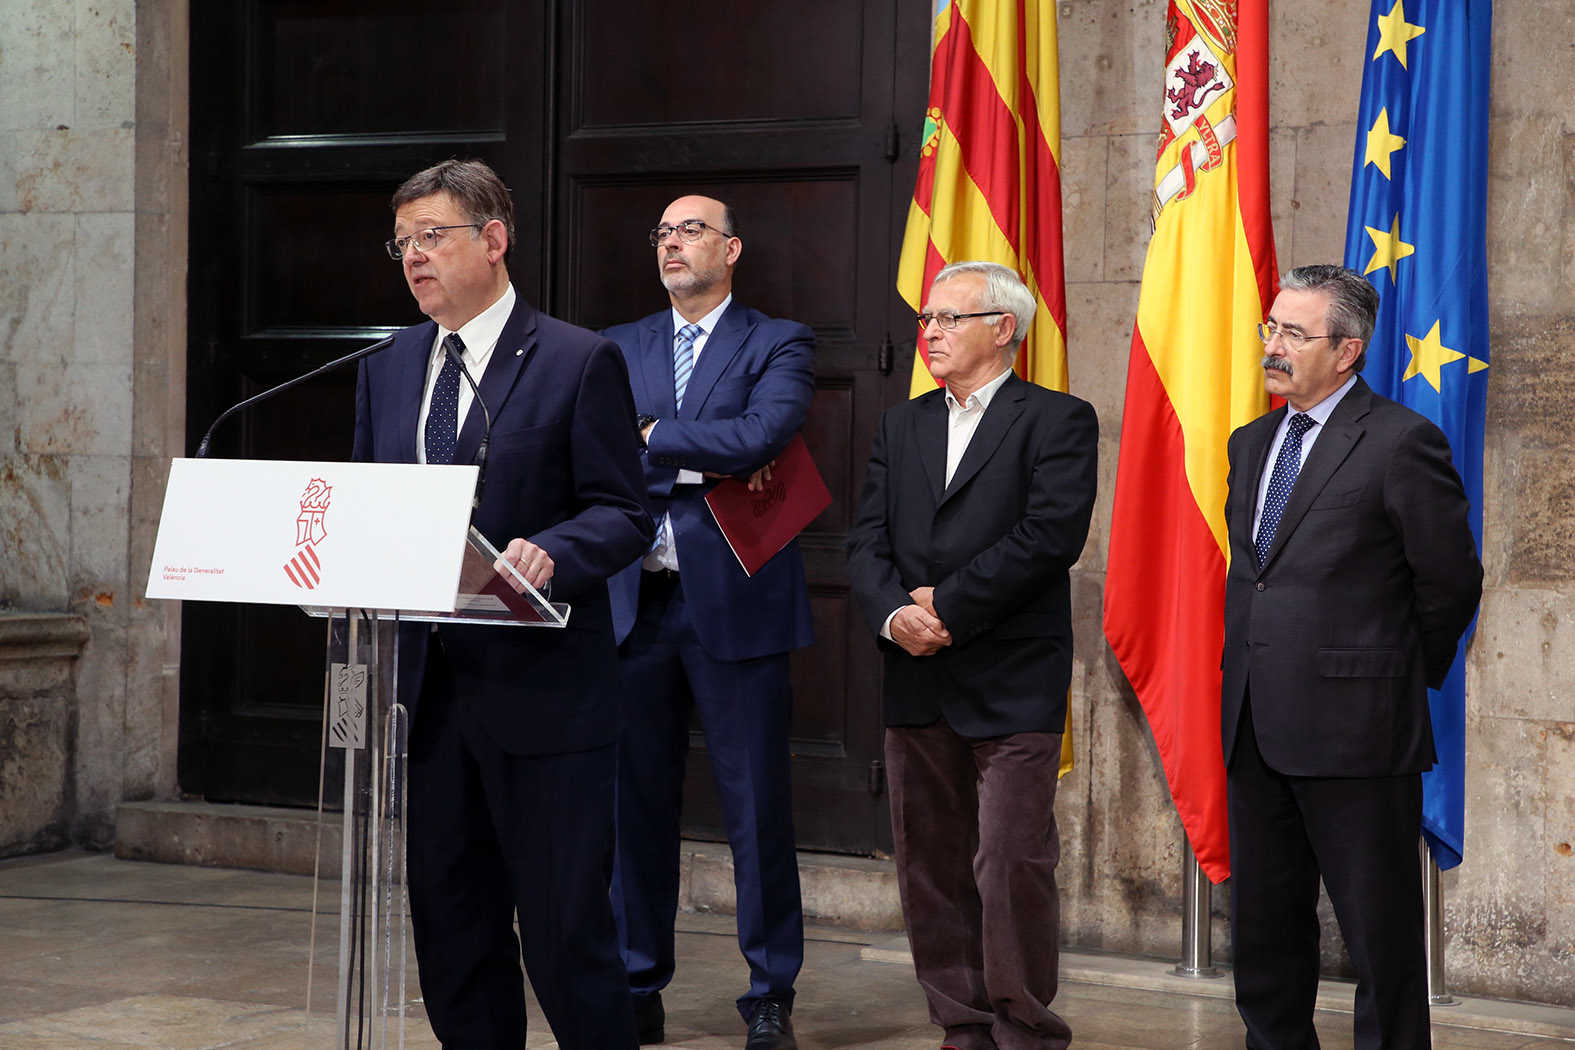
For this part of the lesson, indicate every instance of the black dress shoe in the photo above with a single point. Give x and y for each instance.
(771, 1028)
(650, 1020)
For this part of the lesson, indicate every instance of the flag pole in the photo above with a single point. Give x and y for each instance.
(1433, 932)
(1196, 932)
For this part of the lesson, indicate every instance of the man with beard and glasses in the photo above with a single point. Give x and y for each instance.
(720, 390)
(1353, 573)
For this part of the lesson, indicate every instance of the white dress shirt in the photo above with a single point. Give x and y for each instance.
(664, 555)
(962, 421)
(480, 335)
(1320, 414)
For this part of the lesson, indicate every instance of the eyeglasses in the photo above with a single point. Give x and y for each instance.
(689, 231)
(424, 241)
(1289, 339)
(947, 319)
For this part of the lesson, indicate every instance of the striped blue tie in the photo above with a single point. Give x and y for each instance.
(683, 360)
(683, 366)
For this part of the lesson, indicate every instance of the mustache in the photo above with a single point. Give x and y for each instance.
(1279, 364)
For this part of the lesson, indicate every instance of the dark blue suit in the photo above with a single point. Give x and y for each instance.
(715, 640)
(511, 753)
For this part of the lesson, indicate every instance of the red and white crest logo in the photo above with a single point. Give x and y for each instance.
(305, 569)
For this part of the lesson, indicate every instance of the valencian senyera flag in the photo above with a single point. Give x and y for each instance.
(1418, 230)
(989, 182)
(1192, 378)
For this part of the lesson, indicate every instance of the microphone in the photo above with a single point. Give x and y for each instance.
(365, 351)
(486, 433)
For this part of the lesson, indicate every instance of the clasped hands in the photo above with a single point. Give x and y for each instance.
(917, 628)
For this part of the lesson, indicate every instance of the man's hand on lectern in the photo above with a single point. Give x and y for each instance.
(529, 560)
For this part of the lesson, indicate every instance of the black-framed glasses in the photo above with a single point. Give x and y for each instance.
(948, 319)
(1291, 340)
(689, 231)
(425, 240)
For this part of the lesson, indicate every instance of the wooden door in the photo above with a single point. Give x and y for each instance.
(306, 114)
(792, 113)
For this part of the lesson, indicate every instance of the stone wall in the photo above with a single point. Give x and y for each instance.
(1510, 908)
(93, 103)
(38, 652)
(84, 426)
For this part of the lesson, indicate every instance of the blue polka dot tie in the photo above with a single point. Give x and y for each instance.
(1286, 466)
(683, 360)
(443, 414)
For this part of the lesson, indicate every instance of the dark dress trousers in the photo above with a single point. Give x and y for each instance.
(1330, 646)
(512, 751)
(714, 641)
(974, 731)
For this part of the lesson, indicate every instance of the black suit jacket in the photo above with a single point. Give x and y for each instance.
(996, 544)
(1371, 581)
(563, 471)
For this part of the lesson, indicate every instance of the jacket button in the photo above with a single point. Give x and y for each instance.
(1260, 585)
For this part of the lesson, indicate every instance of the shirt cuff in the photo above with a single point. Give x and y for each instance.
(885, 628)
(689, 477)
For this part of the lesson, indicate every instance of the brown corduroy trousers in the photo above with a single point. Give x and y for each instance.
(977, 848)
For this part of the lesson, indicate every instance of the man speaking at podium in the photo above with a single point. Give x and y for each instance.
(512, 728)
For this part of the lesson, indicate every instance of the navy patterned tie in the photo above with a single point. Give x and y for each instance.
(683, 360)
(1286, 466)
(443, 414)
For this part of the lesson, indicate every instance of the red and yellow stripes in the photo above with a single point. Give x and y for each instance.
(1193, 377)
(989, 183)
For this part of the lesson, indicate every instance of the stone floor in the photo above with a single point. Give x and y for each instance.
(104, 954)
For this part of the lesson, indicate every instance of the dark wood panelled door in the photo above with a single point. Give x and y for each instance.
(790, 112)
(307, 113)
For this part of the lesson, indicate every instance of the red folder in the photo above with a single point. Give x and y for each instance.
(758, 524)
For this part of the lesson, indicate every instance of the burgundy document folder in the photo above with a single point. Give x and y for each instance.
(758, 524)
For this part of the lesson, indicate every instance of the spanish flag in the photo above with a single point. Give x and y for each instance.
(989, 183)
(1193, 377)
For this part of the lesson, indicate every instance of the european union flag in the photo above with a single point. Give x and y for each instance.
(1417, 229)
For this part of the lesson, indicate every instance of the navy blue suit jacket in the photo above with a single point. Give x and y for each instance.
(748, 396)
(996, 544)
(563, 471)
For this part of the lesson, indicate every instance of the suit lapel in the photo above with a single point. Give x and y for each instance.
(1004, 409)
(414, 362)
(1255, 458)
(929, 425)
(721, 346)
(655, 362)
(516, 345)
(1339, 437)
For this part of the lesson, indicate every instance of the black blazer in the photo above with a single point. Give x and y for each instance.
(563, 471)
(996, 544)
(1371, 581)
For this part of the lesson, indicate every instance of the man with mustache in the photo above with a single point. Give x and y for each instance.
(1353, 574)
(720, 389)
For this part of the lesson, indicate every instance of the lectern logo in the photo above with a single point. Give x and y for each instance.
(305, 569)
